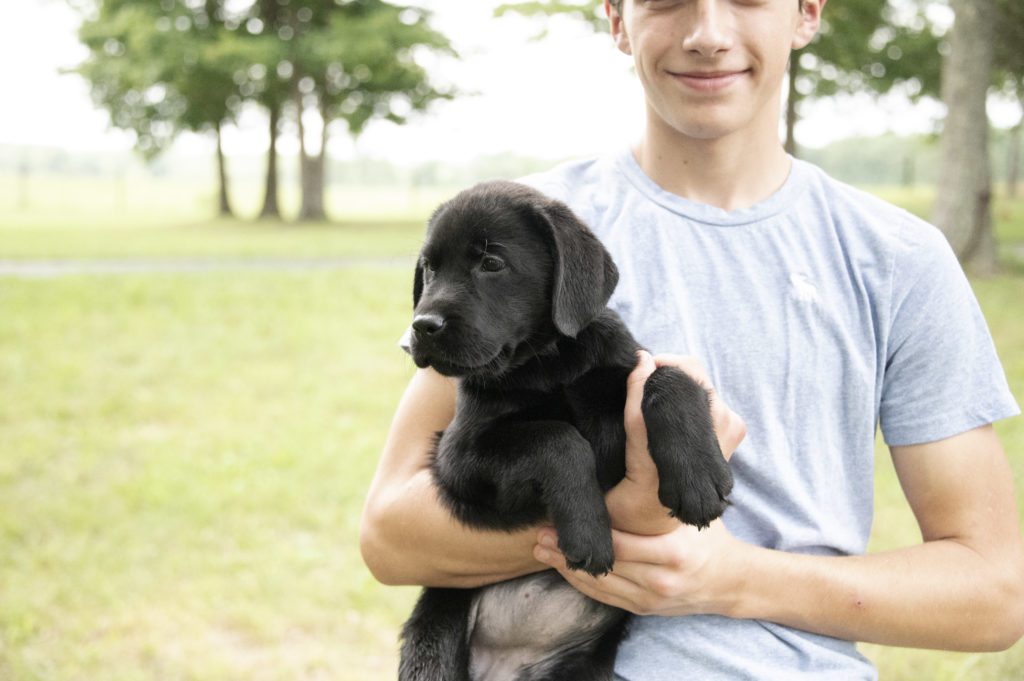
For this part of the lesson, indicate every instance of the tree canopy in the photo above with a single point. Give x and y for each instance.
(163, 66)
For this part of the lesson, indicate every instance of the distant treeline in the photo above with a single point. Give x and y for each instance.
(882, 160)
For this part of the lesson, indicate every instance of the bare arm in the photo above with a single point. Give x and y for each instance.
(962, 588)
(406, 535)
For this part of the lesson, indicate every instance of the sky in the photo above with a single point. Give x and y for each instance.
(572, 94)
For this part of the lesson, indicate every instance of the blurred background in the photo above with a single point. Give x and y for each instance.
(209, 211)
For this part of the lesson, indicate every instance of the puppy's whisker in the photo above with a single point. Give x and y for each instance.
(536, 354)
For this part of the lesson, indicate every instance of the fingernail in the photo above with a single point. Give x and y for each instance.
(547, 540)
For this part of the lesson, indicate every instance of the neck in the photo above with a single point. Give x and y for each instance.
(730, 172)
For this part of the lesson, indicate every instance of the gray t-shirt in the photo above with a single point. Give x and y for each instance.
(820, 313)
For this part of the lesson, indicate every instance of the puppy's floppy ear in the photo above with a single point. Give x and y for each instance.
(585, 275)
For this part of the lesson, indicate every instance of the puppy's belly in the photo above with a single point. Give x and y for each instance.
(531, 623)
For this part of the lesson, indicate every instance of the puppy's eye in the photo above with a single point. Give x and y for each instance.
(492, 263)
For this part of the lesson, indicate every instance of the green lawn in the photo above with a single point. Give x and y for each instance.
(185, 458)
(216, 239)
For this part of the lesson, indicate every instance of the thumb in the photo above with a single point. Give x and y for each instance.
(634, 418)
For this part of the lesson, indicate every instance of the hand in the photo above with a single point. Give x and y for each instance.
(633, 503)
(661, 566)
(684, 572)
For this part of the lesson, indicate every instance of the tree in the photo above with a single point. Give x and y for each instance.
(1009, 64)
(353, 63)
(1013, 146)
(158, 69)
(266, 48)
(162, 66)
(963, 200)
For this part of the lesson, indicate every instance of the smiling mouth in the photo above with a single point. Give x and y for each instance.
(708, 81)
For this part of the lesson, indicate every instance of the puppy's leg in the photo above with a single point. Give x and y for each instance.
(435, 639)
(552, 458)
(694, 477)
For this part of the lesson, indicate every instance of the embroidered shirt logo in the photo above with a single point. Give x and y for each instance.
(802, 288)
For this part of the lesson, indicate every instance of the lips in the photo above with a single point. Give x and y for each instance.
(708, 81)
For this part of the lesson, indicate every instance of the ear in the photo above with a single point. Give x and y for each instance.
(585, 275)
(808, 23)
(417, 285)
(618, 28)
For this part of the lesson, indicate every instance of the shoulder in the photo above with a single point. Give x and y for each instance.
(559, 181)
(582, 184)
(865, 222)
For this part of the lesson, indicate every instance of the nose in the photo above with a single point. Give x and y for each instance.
(707, 32)
(428, 324)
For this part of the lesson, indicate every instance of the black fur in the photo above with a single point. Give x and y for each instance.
(510, 296)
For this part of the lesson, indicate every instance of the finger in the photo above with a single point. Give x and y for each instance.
(730, 433)
(647, 549)
(687, 363)
(634, 419)
(613, 596)
(729, 426)
(636, 430)
(611, 588)
(633, 552)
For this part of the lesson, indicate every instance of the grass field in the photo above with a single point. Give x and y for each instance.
(185, 456)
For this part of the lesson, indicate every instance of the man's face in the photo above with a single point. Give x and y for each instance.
(713, 67)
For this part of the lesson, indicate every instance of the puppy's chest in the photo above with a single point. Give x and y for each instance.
(592, 406)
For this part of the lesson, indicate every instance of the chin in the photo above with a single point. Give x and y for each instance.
(703, 121)
(464, 368)
(714, 123)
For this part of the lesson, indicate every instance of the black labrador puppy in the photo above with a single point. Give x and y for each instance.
(510, 297)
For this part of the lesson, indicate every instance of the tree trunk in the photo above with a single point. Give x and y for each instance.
(313, 176)
(224, 205)
(1013, 161)
(270, 208)
(791, 102)
(963, 204)
(909, 169)
(313, 189)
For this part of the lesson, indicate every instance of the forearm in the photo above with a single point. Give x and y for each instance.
(410, 538)
(940, 594)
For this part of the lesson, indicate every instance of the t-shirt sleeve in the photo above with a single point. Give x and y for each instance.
(942, 374)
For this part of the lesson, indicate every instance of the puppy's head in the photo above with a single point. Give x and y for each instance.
(504, 271)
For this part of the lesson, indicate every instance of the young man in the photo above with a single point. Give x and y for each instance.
(819, 313)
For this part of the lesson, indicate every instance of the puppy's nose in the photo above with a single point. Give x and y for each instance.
(428, 324)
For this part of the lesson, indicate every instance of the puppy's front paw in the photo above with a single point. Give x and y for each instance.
(591, 553)
(699, 495)
(694, 477)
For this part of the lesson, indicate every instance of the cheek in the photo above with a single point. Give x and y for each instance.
(649, 48)
(774, 60)
(771, 39)
(526, 306)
